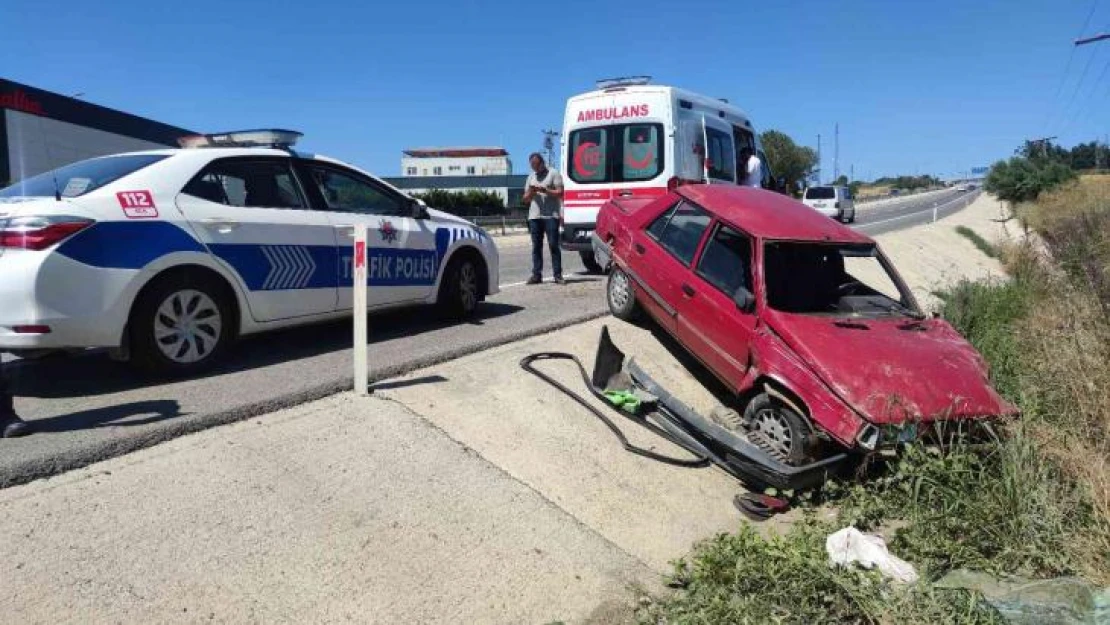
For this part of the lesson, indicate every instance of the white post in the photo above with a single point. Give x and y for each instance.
(359, 263)
(934, 212)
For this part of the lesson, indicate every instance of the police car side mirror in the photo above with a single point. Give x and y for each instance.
(419, 209)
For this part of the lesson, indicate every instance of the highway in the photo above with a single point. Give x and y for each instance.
(87, 408)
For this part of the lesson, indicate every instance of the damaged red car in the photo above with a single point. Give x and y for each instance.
(803, 319)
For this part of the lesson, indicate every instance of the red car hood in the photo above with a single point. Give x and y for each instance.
(894, 369)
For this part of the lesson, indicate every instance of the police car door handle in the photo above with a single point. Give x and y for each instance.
(221, 225)
(346, 229)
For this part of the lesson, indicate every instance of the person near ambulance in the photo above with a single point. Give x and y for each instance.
(751, 168)
(543, 194)
(11, 425)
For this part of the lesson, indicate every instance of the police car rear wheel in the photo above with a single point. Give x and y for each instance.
(179, 326)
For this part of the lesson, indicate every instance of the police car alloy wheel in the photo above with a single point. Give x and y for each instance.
(622, 299)
(179, 326)
(187, 327)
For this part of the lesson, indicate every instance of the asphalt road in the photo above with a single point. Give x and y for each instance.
(87, 408)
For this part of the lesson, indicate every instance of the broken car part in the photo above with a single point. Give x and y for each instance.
(733, 452)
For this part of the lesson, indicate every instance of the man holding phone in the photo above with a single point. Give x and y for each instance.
(543, 194)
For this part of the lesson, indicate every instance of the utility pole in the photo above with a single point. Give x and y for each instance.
(1044, 144)
(1098, 37)
(836, 153)
(549, 146)
(818, 159)
(852, 172)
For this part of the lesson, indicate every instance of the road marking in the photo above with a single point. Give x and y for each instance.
(913, 214)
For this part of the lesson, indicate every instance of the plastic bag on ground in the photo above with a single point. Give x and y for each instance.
(1060, 601)
(849, 545)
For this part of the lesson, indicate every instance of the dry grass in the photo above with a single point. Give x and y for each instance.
(1064, 342)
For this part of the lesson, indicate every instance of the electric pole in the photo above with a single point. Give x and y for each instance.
(1044, 144)
(818, 172)
(1098, 37)
(549, 146)
(836, 153)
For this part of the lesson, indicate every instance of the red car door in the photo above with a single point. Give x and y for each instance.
(661, 258)
(709, 321)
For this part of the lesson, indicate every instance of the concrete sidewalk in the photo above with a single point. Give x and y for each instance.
(344, 510)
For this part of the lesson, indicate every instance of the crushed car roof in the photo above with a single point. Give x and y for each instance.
(770, 215)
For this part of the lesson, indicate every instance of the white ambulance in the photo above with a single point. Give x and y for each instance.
(630, 138)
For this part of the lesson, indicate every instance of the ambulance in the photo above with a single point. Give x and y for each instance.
(630, 139)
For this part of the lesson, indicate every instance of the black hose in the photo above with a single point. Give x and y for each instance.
(526, 363)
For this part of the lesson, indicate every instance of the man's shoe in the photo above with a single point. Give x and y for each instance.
(534, 280)
(12, 426)
(560, 280)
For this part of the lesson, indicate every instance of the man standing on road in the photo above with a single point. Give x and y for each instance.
(752, 168)
(10, 423)
(543, 193)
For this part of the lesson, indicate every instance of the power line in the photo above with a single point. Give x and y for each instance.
(1067, 66)
(1079, 85)
(1083, 113)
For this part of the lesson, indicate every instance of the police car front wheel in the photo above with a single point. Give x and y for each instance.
(179, 325)
(462, 287)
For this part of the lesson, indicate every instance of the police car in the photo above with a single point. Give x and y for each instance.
(167, 256)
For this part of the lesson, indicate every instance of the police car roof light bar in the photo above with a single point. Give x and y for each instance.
(623, 81)
(263, 137)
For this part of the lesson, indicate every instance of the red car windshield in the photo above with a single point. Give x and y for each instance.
(832, 279)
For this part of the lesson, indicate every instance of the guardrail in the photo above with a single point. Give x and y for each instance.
(503, 224)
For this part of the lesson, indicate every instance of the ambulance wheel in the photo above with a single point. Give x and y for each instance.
(781, 430)
(181, 324)
(461, 289)
(621, 295)
(589, 261)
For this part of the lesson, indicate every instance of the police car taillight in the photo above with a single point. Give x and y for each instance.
(39, 232)
(272, 137)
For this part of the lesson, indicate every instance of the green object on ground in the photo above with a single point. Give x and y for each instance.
(625, 400)
(1060, 601)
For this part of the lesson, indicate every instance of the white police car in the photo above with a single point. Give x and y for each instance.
(169, 255)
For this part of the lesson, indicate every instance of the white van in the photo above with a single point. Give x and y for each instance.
(630, 138)
(832, 201)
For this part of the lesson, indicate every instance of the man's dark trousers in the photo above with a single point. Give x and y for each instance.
(549, 227)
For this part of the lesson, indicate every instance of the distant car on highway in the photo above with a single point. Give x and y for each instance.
(167, 256)
(832, 201)
(961, 188)
(803, 319)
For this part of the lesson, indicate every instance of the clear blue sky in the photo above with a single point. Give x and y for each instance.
(929, 87)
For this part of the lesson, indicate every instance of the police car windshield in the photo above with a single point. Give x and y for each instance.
(80, 178)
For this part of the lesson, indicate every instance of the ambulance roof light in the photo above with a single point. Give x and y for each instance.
(265, 137)
(623, 81)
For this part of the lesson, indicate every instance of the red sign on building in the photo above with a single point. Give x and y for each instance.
(19, 101)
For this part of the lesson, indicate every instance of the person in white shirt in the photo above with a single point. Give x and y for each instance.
(752, 168)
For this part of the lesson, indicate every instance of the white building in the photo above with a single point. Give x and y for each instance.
(467, 161)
